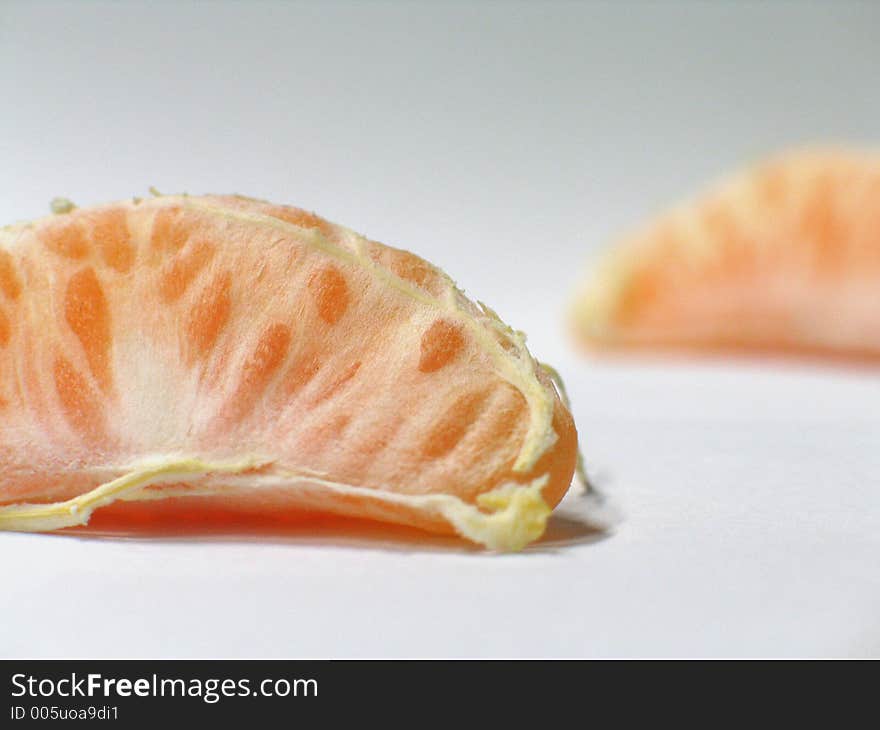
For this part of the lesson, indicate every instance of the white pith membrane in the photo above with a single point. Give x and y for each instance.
(506, 518)
(513, 515)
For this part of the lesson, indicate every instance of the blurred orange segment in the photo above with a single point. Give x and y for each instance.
(784, 257)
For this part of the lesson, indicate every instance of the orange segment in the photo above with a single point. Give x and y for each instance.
(171, 230)
(330, 293)
(783, 257)
(440, 345)
(87, 315)
(336, 384)
(208, 315)
(10, 284)
(183, 270)
(80, 405)
(259, 370)
(5, 329)
(224, 356)
(299, 375)
(453, 425)
(66, 237)
(110, 234)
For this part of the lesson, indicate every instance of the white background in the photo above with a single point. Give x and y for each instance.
(505, 142)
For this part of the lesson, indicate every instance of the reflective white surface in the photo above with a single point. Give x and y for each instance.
(506, 142)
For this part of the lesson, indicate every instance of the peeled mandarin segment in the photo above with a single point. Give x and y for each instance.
(784, 257)
(188, 359)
